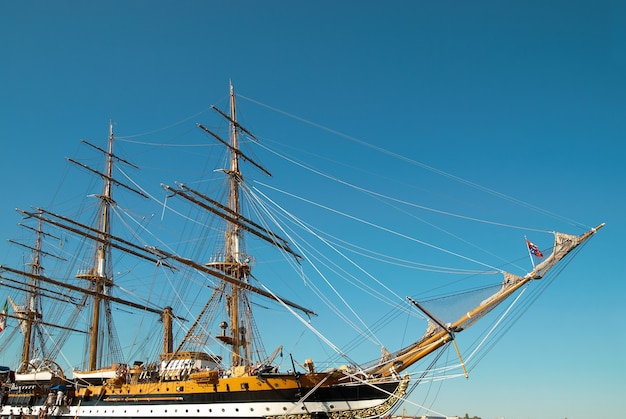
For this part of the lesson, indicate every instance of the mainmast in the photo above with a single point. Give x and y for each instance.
(99, 276)
(98, 273)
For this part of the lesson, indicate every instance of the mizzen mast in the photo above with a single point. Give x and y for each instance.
(32, 306)
(29, 314)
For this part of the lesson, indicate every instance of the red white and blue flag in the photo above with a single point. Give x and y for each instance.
(534, 250)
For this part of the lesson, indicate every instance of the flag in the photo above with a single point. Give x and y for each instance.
(534, 250)
(3, 315)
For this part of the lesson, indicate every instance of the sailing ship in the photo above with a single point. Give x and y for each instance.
(185, 381)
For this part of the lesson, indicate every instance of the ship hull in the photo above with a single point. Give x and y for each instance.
(334, 402)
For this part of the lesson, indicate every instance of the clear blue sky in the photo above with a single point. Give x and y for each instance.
(524, 98)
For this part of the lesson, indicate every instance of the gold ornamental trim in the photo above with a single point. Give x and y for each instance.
(375, 411)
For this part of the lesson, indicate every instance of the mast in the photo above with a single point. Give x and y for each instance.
(231, 265)
(168, 334)
(99, 275)
(234, 264)
(234, 242)
(32, 303)
(31, 312)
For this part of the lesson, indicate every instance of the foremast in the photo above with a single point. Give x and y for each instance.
(239, 270)
(445, 333)
(235, 263)
(230, 264)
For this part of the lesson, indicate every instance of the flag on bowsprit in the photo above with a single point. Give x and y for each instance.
(3, 315)
(533, 249)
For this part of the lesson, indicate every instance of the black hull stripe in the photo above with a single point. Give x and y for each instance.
(329, 395)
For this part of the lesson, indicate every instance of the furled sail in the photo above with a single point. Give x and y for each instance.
(563, 244)
(439, 334)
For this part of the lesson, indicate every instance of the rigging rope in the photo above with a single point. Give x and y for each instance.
(380, 195)
(506, 312)
(388, 230)
(309, 326)
(182, 121)
(333, 288)
(420, 164)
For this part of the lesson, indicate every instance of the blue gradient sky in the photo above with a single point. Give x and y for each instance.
(524, 98)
